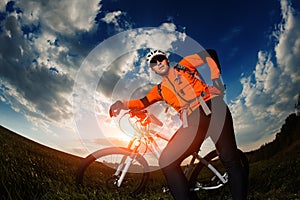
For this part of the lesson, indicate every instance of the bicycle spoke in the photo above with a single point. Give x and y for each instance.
(107, 172)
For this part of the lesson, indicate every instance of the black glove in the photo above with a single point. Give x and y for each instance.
(115, 108)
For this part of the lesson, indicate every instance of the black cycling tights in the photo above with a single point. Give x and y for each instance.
(188, 140)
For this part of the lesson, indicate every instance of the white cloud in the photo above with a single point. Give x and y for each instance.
(38, 66)
(269, 94)
(117, 19)
(112, 17)
(3, 4)
(65, 17)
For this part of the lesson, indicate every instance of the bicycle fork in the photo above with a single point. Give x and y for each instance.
(125, 164)
(123, 168)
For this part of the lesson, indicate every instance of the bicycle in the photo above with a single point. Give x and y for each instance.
(126, 168)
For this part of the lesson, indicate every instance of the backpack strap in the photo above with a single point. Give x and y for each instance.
(185, 69)
(160, 93)
(159, 90)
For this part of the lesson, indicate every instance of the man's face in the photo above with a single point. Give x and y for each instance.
(160, 65)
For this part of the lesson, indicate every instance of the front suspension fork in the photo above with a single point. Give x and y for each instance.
(126, 162)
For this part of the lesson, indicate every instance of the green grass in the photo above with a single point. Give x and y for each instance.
(32, 171)
(276, 178)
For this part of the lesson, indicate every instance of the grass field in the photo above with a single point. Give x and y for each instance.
(32, 171)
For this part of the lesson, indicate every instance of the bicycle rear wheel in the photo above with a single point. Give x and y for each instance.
(98, 170)
(203, 178)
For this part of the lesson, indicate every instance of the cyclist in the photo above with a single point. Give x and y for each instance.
(198, 104)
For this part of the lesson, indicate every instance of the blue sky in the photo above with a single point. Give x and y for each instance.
(45, 49)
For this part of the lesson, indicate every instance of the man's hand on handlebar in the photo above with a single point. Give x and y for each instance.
(142, 115)
(145, 117)
(115, 108)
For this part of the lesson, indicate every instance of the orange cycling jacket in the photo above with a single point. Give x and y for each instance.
(182, 85)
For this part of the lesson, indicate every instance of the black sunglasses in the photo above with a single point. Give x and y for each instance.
(158, 58)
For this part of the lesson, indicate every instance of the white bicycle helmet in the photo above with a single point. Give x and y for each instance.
(153, 53)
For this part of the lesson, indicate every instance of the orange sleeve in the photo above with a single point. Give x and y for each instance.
(152, 97)
(194, 60)
(215, 72)
(134, 104)
(191, 61)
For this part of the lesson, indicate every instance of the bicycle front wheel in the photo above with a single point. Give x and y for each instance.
(99, 169)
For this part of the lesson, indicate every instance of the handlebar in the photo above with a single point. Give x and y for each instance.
(144, 117)
(141, 121)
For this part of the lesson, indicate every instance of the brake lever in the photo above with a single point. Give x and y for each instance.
(155, 120)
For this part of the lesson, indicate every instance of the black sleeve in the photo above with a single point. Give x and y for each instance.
(145, 101)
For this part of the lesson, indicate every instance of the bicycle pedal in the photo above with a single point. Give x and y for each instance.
(194, 189)
(213, 178)
(199, 185)
(165, 189)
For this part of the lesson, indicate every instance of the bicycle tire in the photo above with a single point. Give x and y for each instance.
(199, 168)
(110, 151)
(209, 157)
